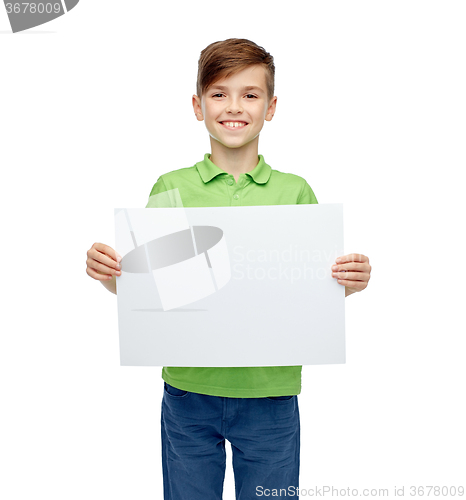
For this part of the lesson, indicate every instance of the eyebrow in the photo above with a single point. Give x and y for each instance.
(248, 87)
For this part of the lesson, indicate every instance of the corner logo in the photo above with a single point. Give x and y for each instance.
(25, 15)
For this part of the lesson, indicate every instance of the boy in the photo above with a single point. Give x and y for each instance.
(255, 408)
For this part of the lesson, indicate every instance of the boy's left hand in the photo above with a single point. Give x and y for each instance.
(353, 271)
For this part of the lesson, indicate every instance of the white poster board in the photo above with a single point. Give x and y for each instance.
(230, 286)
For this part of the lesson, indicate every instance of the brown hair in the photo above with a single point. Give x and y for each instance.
(225, 58)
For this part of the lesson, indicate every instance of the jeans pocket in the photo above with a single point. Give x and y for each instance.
(173, 391)
(279, 398)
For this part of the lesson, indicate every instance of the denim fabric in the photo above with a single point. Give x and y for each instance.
(265, 440)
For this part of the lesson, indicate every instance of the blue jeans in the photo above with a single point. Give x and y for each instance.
(265, 441)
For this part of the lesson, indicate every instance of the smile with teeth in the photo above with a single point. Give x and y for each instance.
(233, 124)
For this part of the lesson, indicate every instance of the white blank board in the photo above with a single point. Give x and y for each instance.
(230, 286)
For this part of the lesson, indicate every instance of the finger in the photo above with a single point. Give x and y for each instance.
(105, 249)
(102, 268)
(103, 258)
(351, 276)
(98, 276)
(352, 257)
(353, 266)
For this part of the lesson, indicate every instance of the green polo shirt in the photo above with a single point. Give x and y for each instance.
(206, 185)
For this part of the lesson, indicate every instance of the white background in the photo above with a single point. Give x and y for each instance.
(371, 112)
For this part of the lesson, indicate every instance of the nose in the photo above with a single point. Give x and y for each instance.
(234, 106)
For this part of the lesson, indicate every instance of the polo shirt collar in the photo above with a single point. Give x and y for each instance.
(208, 170)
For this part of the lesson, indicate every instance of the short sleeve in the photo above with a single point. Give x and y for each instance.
(159, 187)
(307, 196)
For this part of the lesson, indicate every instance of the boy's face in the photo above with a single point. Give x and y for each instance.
(228, 100)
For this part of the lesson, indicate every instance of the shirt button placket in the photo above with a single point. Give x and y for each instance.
(239, 185)
(230, 182)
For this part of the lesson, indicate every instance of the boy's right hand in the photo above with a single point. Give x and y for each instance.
(102, 262)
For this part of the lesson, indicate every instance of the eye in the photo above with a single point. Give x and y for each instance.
(252, 95)
(215, 95)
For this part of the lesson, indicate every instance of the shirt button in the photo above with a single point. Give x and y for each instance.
(230, 182)
(236, 196)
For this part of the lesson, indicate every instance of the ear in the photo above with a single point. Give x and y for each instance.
(271, 109)
(197, 108)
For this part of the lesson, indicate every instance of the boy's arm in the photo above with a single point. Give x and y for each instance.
(103, 263)
(353, 271)
(110, 285)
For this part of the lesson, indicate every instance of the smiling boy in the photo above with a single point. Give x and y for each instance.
(234, 115)
(254, 408)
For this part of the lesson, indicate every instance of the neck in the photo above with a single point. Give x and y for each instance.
(235, 161)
